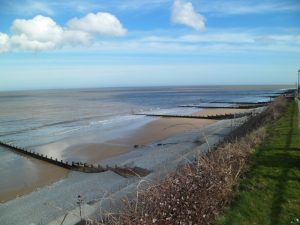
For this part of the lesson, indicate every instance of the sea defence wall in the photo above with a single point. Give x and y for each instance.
(77, 166)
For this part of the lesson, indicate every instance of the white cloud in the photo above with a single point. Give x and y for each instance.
(42, 33)
(4, 43)
(24, 43)
(99, 23)
(76, 37)
(39, 33)
(184, 13)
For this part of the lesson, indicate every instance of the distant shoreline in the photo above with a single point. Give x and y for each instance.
(244, 86)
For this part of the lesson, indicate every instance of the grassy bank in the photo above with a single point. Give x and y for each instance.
(270, 191)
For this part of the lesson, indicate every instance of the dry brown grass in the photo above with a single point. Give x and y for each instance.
(196, 193)
(277, 107)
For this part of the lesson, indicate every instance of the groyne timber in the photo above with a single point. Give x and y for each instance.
(244, 103)
(211, 117)
(232, 105)
(251, 106)
(77, 166)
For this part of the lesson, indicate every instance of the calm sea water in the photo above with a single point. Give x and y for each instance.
(33, 119)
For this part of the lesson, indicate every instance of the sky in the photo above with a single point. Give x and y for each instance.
(50, 44)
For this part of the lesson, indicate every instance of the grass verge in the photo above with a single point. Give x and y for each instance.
(270, 190)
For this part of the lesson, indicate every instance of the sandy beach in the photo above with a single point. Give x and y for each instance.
(155, 131)
(95, 152)
(152, 132)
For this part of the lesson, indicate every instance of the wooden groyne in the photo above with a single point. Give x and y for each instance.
(222, 107)
(78, 166)
(270, 96)
(243, 103)
(212, 117)
(233, 105)
(289, 93)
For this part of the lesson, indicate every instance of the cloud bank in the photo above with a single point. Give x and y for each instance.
(43, 33)
(185, 14)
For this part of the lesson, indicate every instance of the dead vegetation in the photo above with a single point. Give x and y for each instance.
(196, 193)
(273, 111)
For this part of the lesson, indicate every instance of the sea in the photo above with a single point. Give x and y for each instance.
(37, 119)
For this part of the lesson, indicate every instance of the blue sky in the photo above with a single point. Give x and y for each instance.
(68, 44)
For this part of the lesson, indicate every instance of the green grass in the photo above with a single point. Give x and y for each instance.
(270, 192)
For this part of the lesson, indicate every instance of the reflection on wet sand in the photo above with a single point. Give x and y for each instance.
(29, 174)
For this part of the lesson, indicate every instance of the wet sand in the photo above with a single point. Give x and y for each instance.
(164, 128)
(95, 152)
(29, 176)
